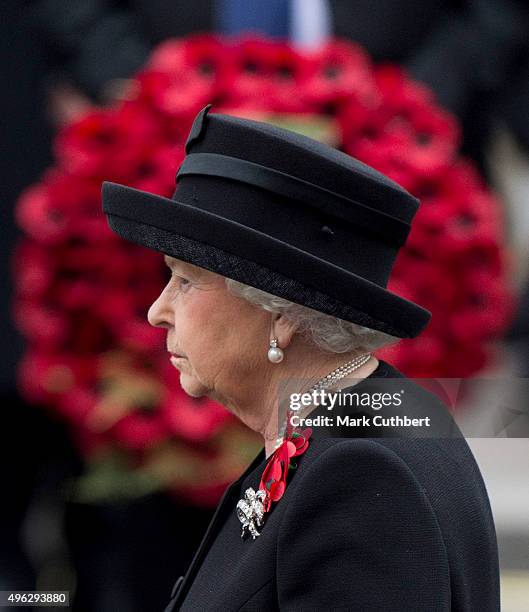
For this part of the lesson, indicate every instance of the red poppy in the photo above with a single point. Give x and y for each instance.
(274, 478)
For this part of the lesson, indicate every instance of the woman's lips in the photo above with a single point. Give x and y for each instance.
(175, 357)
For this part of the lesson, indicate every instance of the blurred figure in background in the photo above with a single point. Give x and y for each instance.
(474, 55)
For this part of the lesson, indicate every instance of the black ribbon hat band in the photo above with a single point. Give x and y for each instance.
(393, 230)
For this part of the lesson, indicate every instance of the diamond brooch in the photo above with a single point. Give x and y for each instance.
(250, 511)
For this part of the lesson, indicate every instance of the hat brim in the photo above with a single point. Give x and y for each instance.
(244, 254)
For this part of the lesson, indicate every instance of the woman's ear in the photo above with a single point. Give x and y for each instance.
(283, 329)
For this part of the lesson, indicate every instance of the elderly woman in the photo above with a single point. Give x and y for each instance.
(280, 250)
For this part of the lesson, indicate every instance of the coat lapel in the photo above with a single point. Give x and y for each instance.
(226, 504)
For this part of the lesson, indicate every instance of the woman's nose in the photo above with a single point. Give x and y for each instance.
(159, 314)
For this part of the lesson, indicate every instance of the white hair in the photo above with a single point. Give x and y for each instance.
(327, 332)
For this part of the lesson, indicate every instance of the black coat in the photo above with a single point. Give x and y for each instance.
(366, 523)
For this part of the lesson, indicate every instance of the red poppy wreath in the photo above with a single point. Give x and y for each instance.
(82, 293)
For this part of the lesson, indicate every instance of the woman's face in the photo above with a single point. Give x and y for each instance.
(218, 339)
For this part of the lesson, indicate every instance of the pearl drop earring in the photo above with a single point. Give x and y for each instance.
(275, 354)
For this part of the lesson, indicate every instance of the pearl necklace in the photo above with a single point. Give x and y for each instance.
(326, 382)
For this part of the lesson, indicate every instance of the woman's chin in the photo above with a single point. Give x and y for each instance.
(191, 385)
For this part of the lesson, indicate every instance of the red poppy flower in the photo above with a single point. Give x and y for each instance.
(274, 478)
(107, 144)
(335, 74)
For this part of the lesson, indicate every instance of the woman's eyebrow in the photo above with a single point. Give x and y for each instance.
(177, 267)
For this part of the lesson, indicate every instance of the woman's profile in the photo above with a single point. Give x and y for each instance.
(280, 250)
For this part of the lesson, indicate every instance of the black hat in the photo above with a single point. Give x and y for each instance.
(281, 212)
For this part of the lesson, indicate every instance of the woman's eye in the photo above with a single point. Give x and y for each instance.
(182, 283)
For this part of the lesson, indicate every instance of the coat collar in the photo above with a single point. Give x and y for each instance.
(226, 504)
